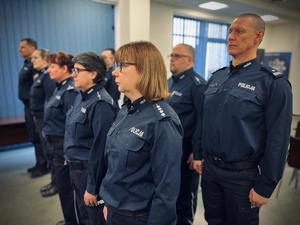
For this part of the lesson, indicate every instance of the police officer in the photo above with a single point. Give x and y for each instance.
(246, 127)
(40, 92)
(187, 88)
(60, 68)
(108, 55)
(87, 124)
(27, 47)
(144, 144)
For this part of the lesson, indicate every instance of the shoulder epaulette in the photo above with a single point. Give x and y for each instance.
(104, 96)
(275, 73)
(225, 67)
(197, 79)
(160, 111)
(70, 87)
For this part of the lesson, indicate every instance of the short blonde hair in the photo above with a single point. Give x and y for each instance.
(150, 65)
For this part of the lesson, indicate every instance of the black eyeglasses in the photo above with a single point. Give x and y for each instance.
(177, 56)
(78, 70)
(119, 65)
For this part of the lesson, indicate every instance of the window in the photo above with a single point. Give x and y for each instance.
(209, 40)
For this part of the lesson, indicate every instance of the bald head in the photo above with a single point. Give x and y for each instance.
(182, 58)
(188, 50)
(257, 21)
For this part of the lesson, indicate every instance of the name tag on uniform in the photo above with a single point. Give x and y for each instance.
(136, 131)
(25, 68)
(83, 110)
(246, 86)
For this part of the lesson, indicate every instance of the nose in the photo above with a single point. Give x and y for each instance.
(231, 36)
(115, 72)
(73, 74)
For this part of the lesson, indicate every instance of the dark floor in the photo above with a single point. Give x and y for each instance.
(21, 203)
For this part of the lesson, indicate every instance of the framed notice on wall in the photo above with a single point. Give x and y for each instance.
(279, 61)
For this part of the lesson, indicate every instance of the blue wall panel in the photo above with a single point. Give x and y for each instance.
(73, 26)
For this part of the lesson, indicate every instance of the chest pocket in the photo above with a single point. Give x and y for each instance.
(128, 151)
(81, 126)
(137, 152)
(245, 104)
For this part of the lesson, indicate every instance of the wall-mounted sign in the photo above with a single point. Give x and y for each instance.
(279, 61)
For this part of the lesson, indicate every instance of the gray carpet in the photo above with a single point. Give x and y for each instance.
(22, 204)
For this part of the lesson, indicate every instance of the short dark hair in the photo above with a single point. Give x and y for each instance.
(61, 59)
(113, 51)
(30, 42)
(93, 63)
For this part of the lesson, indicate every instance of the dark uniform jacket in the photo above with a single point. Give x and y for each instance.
(186, 99)
(247, 117)
(41, 90)
(87, 124)
(57, 107)
(111, 86)
(143, 149)
(26, 79)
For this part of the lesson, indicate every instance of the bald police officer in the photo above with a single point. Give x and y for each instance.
(186, 88)
(246, 127)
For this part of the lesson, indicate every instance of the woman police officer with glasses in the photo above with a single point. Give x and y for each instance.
(87, 124)
(143, 146)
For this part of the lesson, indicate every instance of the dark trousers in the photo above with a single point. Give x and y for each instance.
(87, 215)
(34, 137)
(187, 199)
(226, 195)
(124, 217)
(62, 178)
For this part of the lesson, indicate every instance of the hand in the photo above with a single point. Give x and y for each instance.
(257, 200)
(89, 199)
(105, 213)
(190, 160)
(197, 166)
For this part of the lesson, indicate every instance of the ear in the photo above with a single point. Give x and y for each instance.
(259, 37)
(93, 75)
(65, 68)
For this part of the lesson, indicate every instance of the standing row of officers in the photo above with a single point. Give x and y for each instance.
(141, 164)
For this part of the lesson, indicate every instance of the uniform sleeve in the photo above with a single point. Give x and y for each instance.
(165, 162)
(68, 99)
(49, 86)
(100, 120)
(198, 100)
(278, 114)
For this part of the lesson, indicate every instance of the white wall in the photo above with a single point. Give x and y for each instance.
(284, 38)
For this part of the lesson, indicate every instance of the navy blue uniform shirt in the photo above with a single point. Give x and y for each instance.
(87, 124)
(186, 99)
(247, 117)
(143, 150)
(111, 86)
(26, 80)
(41, 90)
(57, 107)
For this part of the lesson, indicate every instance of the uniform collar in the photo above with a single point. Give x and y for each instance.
(243, 65)
(181, 76)
(28, 60)
(44, 70)
(135, 105)
(91, 91)
(64, 82)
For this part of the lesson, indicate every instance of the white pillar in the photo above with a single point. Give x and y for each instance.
(132, 21)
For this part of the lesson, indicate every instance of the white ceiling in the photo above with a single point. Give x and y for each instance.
(286, 10)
